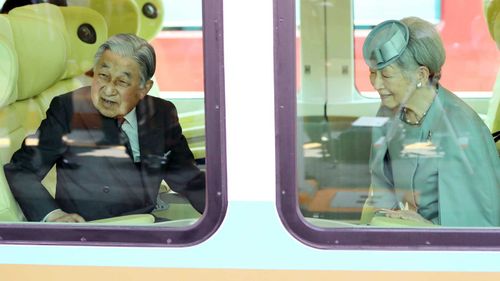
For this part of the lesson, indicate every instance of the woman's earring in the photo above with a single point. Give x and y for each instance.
(419, 84)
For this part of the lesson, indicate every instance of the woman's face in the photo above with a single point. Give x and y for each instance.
(392, 86)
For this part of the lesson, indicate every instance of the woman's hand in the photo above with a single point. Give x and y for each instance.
(409, 215)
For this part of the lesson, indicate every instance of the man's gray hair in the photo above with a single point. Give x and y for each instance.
(425, 48)
(134, 47)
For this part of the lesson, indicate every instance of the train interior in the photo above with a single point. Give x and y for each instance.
(335, 101)
(46, 50)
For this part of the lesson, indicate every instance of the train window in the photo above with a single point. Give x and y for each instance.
(369, 172)
(102, 151)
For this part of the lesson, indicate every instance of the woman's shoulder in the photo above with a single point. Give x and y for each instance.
(462, 118)
(454, 107)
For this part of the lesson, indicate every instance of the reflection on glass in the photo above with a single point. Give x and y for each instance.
(419, 156)
(114, 149)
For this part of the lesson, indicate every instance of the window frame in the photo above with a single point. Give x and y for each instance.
(286, 171)
(216, 194)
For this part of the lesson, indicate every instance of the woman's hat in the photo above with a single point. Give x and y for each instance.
(385, 43)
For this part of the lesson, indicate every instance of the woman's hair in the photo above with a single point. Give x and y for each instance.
(136, 48)
(425, 48)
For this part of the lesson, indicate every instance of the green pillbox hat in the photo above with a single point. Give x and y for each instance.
(385, 43)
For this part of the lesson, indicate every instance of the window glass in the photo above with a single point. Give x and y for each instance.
(105, 141)
(421, 158)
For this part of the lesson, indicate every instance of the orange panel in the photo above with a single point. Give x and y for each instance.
(80, 273)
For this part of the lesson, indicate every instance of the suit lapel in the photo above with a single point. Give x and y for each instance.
(150, 129)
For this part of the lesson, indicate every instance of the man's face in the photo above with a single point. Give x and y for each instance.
(116, 88)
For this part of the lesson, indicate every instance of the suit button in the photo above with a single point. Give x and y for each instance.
(105, 189)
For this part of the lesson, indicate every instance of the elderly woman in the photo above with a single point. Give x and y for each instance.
(434, 160)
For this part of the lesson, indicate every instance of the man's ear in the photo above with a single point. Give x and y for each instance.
(147, 86)
(90, 73)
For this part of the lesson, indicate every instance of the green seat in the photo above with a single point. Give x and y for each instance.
(41, 56)
(40, 44)
(193, 128)
(9, 65)
(150, 17)
(122, 16)
(141, 17)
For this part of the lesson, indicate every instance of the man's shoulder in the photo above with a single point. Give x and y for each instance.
(153, 108)
(159, 104)
(157, 100)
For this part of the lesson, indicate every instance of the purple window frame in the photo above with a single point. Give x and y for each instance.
(216, 194)
(286, 191)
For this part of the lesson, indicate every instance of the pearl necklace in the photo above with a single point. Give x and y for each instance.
(404, 114)
(404, 117)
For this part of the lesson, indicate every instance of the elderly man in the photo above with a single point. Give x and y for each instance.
(112, 145)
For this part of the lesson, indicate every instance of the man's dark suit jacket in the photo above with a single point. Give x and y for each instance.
(96, 178)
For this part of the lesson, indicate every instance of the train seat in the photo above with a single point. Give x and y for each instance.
(9, 65)
(492, 14)
(150, 18)
(11, 135)
(193, 128)
(141, 17)
(41, 55)
(122, 16)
